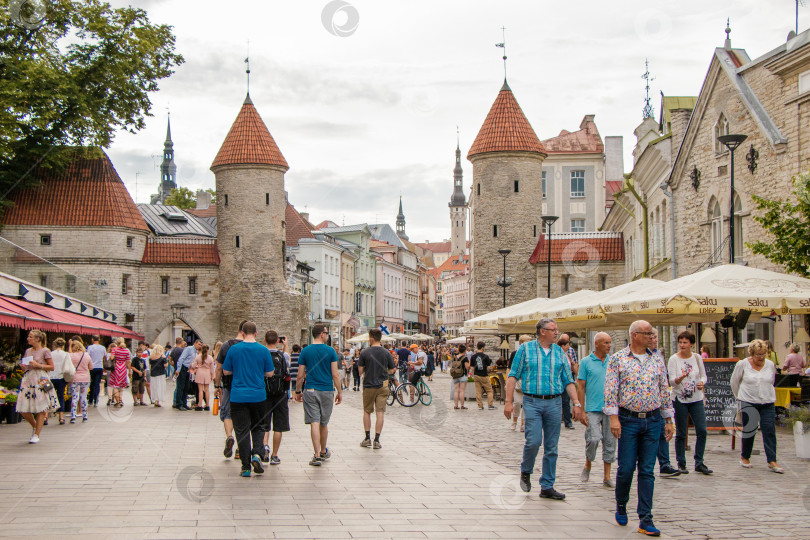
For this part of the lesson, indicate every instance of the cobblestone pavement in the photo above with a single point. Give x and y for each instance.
(442, 473)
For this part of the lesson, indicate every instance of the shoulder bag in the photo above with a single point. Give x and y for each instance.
(68, 369)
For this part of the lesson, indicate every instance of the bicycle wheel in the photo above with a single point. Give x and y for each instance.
(407, 394)
(391, 396)
(424, 393)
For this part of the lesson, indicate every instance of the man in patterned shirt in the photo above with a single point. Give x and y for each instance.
(544, 373)
(638, 403)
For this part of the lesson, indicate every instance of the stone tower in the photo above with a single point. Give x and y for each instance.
(458, 210)
(505, 205)
(251, 237)
(401, 222)
(168, 170)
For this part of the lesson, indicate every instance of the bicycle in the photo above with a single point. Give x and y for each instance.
(405, 393)
(424, 392)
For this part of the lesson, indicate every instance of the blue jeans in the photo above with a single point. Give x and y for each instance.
(682, 413)
(638, 445)
(181, 388)
(663, 451)
(95, 384)
(766, 414)
(542, 416)
(566, 409)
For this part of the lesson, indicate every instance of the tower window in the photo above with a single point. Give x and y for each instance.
(130, 241)
(603, 281)
(44, 239)
(516, 186)
(478, 189)
(267, 199)
(495, 231)
(164, 285)
(237, 242)
(70, 284)
(43, 280)
(192, 285)
(544, 184)
(535, 230)
(124, 283)
(226, 200)
(565, 282)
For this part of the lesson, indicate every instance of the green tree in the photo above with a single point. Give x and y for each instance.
(183, 198)
(789, 224)
(72, 75)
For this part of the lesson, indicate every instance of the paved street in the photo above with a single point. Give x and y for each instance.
(442, 473)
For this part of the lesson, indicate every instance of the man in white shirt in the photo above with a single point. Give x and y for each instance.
(97, 353)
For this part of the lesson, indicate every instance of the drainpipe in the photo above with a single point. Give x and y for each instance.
(629, 185)
(670, 195)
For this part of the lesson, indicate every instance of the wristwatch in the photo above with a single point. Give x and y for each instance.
(297, 392)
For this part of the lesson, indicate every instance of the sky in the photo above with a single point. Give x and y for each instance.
(364, 97)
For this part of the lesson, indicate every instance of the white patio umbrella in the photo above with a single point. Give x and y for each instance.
(421, 337)
(360, 338)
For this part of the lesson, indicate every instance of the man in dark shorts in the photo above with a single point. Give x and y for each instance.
(250, 363)
(278, 411)
(376, 365)
(222, 383)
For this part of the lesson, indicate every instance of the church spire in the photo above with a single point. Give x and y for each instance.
(168, 170)
(401, 222)
(458, 199)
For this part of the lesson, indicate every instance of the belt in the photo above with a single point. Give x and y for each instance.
(635, 414)
(550, 396)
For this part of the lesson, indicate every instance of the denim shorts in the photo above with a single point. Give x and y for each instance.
(458, 380)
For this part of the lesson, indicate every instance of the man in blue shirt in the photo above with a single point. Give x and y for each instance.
(249, 362)
(183, 364)
(544, 372)
(591, 391)
(403, 359)
(318, 365)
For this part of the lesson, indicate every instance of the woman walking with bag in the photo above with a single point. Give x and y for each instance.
(687, 376)
(459, 368)
(157, 367)
(81, 381)
(118, 376)
(36, 396)
(57, 375)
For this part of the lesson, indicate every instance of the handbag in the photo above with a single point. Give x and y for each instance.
(109, 362)
(45, 385)
(68, 369)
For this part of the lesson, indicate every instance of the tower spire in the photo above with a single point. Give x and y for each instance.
(247, 71)
(401, 222)
(648, 110)
(502, 45)
(168, 170)
(727, 43)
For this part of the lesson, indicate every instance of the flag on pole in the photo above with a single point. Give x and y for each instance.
(384, 329)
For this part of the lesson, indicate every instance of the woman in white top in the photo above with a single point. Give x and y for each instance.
(57, 379)
(687, 375)
(752, 384)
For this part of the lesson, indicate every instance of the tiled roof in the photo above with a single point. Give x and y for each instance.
(452, 265)
(181, 251)
(436, 247)
(580, 247)
(296, 226)
(326, 224)
(249, 142)
(88, 193)
(506, 128)
(612, 186)
(211, 211)
(586, 140)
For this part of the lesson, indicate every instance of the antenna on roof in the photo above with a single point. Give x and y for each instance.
(648, 110)
(502, 45)
(247, 67)
(798, 3)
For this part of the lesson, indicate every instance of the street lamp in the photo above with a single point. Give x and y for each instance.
(548, 221)
(504, 281)
(731, 142)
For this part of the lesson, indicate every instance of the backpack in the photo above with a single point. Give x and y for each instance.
(275, 384)
(457, 366)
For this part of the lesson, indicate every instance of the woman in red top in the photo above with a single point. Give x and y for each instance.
(118, 377)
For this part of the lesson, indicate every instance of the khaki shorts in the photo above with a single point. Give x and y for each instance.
(374, 398)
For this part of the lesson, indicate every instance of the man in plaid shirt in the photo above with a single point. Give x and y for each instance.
(545, 374)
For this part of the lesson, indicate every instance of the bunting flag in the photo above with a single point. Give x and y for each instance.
(48, 297)
(68, 303)
(23, 290)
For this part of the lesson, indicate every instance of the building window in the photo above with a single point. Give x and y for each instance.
(565, 279)
(237, 242)
(738, 227)
(130, 241)
(226, 199)
(192, 285)
(544, 184)
(577, 184)
(478, 189)
(804, 82)
(534, 228)
(495, 231)
(602, 282)
(267, 199)
(516, 187)
(716, 230)
(720, 128)
(164, 285)
(43, 280)
(70, 284)
(124, 284)
(577, 225)
(44, 239)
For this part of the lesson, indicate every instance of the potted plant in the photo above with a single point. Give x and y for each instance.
(800, 418)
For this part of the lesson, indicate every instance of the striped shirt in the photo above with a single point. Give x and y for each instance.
(539, 373)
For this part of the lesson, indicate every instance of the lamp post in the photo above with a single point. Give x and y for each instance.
(503, 281)
(548, 221)
(731, 142)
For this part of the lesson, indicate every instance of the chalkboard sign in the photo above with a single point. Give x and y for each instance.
(719, 398)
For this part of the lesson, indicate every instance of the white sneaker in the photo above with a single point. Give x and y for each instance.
(34, 439)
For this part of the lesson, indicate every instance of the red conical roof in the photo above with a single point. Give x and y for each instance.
(249, 142)
(506, 128)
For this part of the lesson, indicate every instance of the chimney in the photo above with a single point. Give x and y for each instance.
(614, 157)
(304, 215)
(679, 119)
(203, 200)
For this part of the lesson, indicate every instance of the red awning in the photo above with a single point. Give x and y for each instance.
(28, 316)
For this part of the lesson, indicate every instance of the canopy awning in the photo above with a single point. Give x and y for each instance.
(29, 316)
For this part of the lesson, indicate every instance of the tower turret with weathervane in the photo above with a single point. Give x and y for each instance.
(458, 209)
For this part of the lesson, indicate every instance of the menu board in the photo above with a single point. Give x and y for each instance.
(719, 398)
